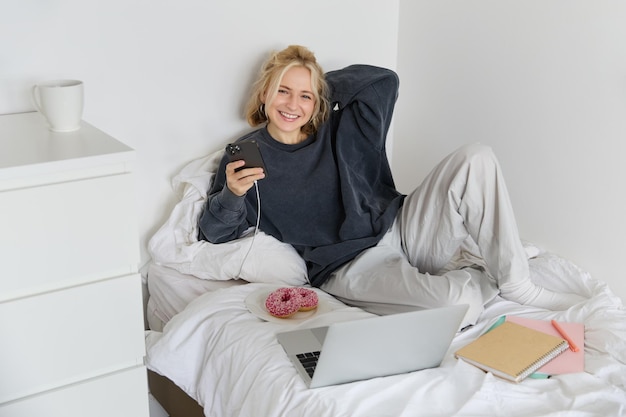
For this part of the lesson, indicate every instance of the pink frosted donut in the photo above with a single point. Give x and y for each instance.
(308, 299)
(283, 303)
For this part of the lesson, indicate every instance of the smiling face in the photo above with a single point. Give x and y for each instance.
(292, 107)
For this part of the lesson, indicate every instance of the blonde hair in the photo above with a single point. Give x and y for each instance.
(272, 73)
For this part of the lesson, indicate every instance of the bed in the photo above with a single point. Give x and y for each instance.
(211, 351)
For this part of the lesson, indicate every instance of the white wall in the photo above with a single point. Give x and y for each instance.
(170, 78)
(544, 83)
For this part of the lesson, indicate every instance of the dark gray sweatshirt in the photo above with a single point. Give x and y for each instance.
(331, 196)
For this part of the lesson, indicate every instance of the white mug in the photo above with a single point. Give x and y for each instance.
(61, 103)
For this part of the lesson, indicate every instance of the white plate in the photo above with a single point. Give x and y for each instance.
(255, 302)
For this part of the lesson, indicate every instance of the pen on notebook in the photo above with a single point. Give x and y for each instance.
(565, 336)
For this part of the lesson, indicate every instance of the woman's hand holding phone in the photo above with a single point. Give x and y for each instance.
(245, 167)
(239, 181)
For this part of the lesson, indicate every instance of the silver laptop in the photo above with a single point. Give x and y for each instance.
(372, 347)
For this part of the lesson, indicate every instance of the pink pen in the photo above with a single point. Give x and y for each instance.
(565, 336)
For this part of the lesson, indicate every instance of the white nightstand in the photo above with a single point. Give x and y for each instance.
(71, 321)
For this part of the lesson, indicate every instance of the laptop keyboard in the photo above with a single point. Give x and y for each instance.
(309, 361)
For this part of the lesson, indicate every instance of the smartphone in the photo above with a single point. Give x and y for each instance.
(249, 151)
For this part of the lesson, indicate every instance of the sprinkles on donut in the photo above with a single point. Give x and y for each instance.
(287, 301)
(308, 300)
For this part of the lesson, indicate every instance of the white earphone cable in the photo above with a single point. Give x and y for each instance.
(256, 227)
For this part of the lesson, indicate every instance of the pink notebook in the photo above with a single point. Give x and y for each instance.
(567, 362)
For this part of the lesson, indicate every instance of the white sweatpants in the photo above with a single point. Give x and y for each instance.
(460, 215)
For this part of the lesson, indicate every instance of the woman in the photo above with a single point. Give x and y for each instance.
(330, 193)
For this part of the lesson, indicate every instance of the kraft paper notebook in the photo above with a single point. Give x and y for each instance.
(569, 361)
(512, 351)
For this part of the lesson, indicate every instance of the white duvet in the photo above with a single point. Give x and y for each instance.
(227, 359)
(176, 245)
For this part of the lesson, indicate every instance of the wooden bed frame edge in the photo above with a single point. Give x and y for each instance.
(173, 399)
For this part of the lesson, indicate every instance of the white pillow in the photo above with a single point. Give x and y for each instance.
(176, 243)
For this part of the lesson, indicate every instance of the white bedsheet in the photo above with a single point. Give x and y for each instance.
(170, 291)
(230, 362)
